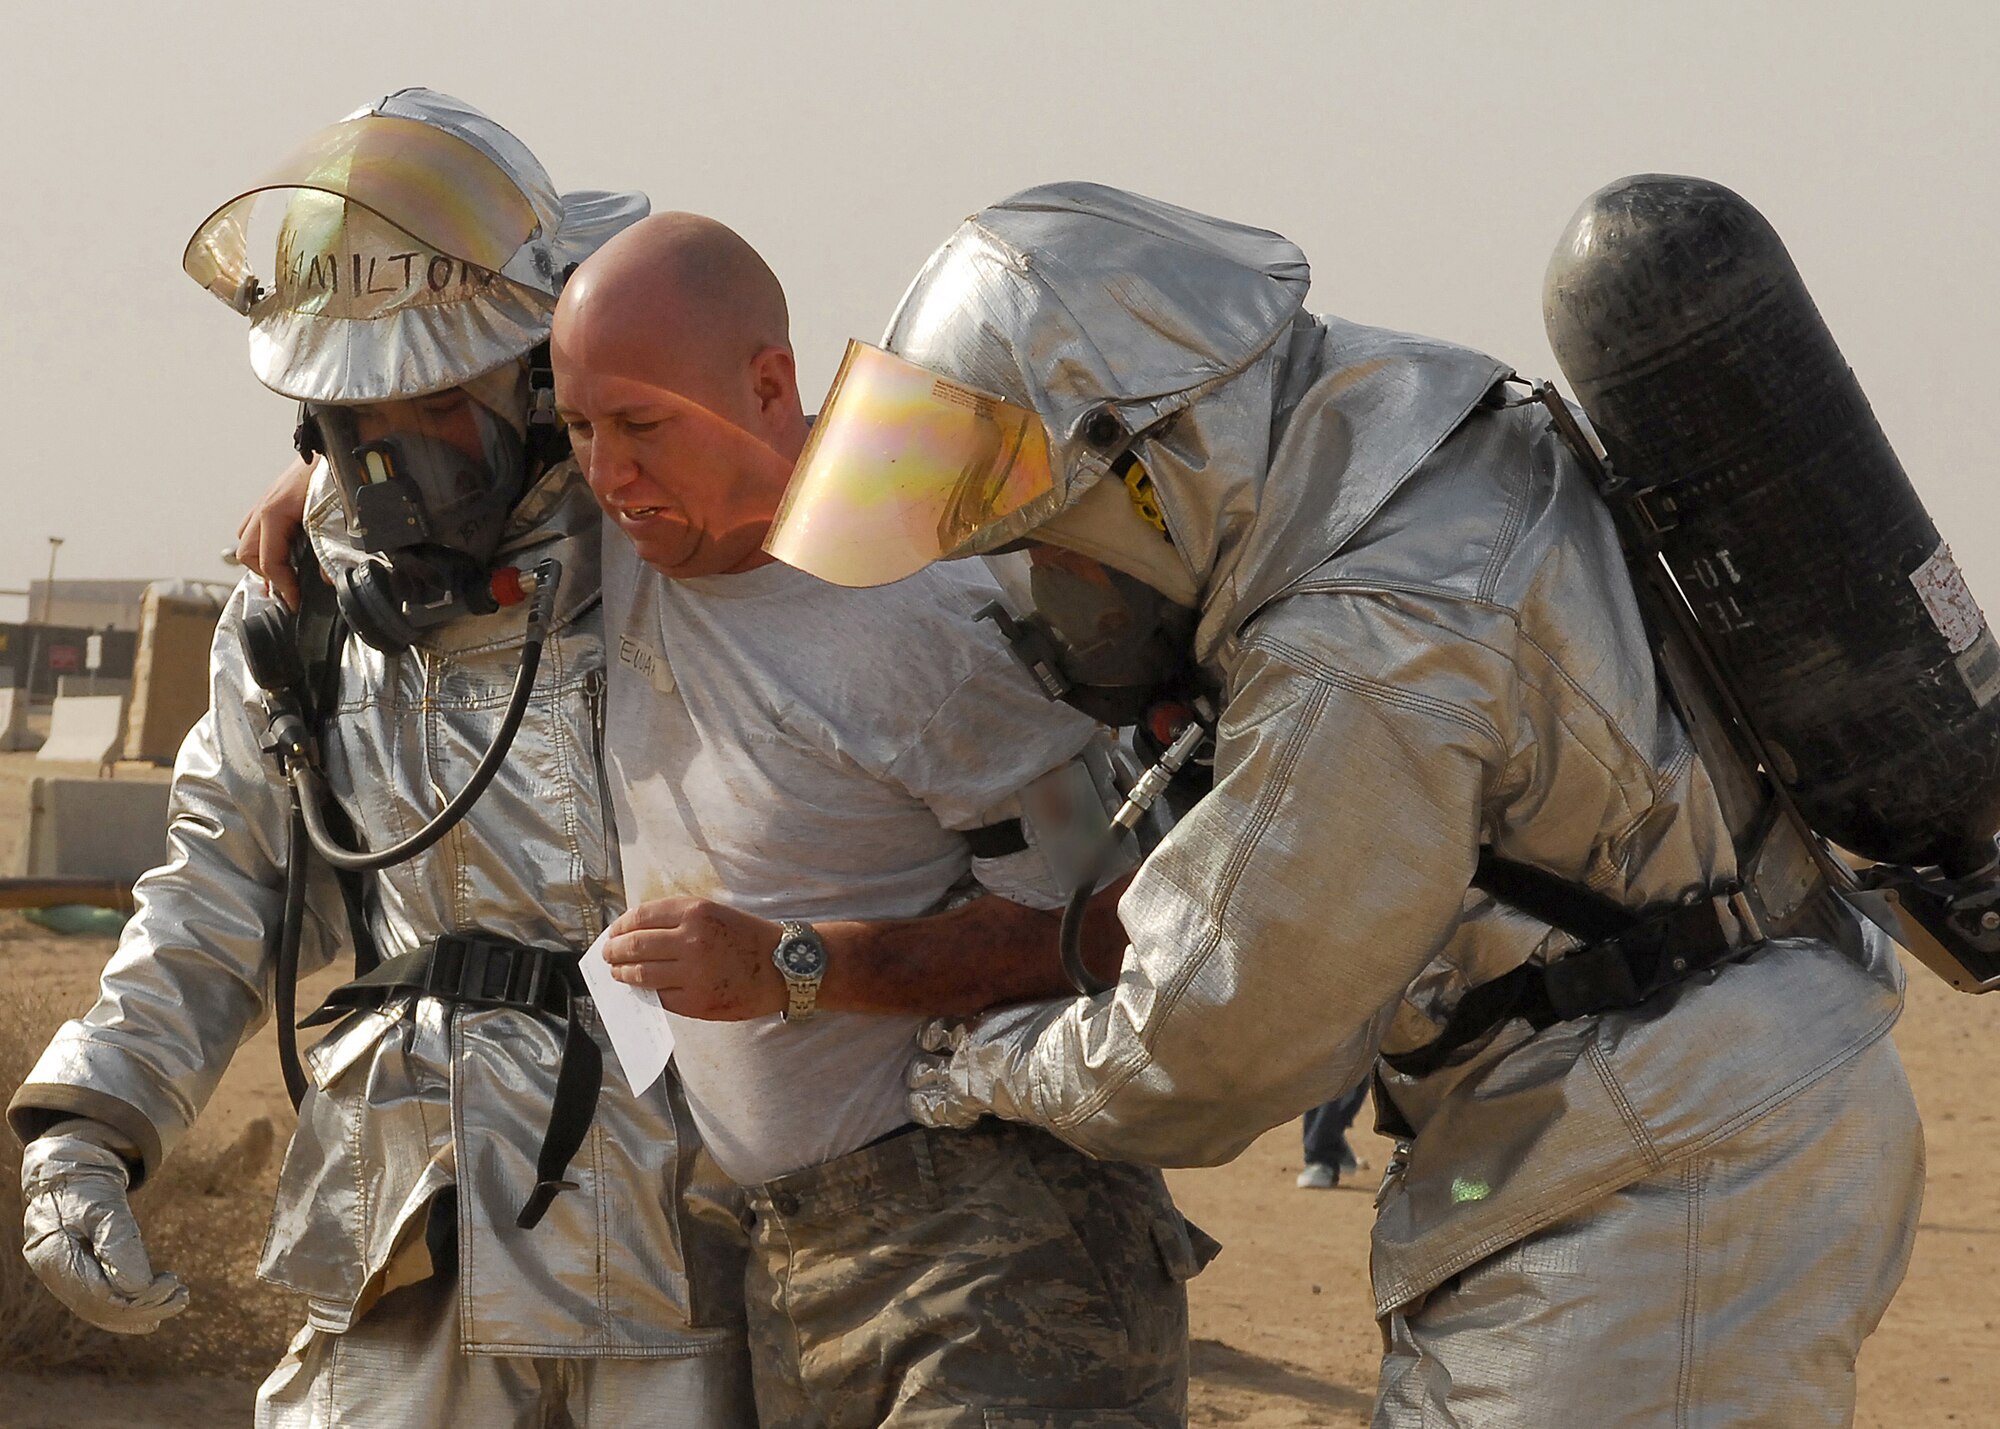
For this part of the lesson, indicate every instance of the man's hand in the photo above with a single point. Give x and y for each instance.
(704, 960)
(264, 540)
(79, 1237)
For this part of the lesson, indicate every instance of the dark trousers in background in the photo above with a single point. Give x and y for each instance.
(1326, 1128)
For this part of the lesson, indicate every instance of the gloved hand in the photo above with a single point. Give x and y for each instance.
(978, 1068)
(79, 1237)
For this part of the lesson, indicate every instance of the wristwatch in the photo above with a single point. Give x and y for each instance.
(800, 958)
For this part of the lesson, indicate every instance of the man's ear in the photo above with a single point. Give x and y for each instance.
(774, 377)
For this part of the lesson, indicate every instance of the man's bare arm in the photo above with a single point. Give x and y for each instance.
(713, 962)
(264, 539)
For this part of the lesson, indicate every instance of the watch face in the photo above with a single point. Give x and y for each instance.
(801, 957)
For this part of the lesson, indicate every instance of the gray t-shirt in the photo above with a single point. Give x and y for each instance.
(801, 750)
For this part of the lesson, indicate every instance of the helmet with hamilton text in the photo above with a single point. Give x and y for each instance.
(409, 247)
(399, 270)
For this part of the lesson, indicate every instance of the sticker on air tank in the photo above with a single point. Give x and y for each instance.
(1953, 610)
(1979, 667)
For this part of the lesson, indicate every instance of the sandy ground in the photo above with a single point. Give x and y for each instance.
(1282, 1335)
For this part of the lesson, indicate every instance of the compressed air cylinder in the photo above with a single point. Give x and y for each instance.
(1834, 608)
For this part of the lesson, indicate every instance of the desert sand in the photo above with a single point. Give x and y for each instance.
(1282, 1334)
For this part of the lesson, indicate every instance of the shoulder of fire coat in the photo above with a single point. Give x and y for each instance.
(1361, 409)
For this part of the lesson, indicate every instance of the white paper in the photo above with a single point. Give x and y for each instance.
(638, 1027)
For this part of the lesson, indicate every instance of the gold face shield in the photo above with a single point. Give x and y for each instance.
(905, 467)
(433, 203)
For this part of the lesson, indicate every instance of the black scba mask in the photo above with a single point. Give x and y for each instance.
(1098, 639)
(428, 483)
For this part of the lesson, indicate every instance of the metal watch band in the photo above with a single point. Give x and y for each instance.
(801, 993)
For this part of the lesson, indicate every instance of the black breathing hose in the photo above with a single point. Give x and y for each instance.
(285, 977)
(1079, 974)
(1150, 786)
(311, 788)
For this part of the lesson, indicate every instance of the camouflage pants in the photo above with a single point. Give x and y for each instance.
(991, 1277)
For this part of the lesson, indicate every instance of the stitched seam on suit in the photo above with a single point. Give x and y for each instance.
(1507, 1232)
(570, 1349)
(1690, 1295)
(600, 1188)
(574, 759)
(1513, 618)
(356, 1160)
(467, 1262)
(1682, 761)
(1503, 541)
(1631, 1118)
(1261, 816)
(1377, 690)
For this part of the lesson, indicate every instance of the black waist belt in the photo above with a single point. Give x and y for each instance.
(473, 970)
(1628, 956)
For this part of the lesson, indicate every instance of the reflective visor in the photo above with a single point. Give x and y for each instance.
(427, 183)
(904, 467)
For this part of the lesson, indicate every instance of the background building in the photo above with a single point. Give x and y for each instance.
(89, 605)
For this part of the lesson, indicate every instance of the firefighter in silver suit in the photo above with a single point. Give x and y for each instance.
(451, 1272)
(1408, 609)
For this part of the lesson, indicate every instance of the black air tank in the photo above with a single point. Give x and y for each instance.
(1811, 565)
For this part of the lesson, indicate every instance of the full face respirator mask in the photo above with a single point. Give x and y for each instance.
(1101, 641)
(428, 484)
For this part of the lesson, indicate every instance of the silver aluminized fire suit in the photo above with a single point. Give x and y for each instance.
(1426, 640)
(624, 1304)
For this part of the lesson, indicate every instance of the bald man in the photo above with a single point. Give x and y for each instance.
(788, 759)
(792, 764)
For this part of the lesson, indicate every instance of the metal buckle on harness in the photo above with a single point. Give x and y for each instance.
(1671, 946)
(1611, 972)
(1593, 979)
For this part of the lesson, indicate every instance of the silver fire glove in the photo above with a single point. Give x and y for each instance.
(79, 1237)
(978, 1068)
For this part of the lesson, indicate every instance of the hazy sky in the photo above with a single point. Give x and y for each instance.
(1425, 153)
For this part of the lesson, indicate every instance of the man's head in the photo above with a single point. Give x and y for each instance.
(675, 377)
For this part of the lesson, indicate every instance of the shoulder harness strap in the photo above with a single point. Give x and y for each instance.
(1627, 957)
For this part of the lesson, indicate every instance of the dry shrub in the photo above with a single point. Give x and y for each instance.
(203, 1217)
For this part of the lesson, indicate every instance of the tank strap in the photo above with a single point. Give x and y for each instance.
(475, 970)
(1628, 957)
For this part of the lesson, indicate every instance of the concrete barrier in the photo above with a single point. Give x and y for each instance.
(85, 729)
(68, 686)
(14, 732)
(94, 828)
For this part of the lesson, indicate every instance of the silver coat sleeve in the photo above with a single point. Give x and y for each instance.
(192, 976)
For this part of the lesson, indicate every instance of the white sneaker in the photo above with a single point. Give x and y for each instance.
(1318, 1176)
